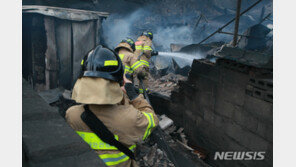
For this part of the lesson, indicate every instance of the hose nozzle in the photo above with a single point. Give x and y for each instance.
(154, 53)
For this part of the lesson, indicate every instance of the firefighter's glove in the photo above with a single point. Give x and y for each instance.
(141, 76)
(129, 77)
(131, 91)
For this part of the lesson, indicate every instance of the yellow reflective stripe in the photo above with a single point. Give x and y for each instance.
(142, 91)
(128, 69)
(121, 56)
(82, 62)
(114, 159)
(138, 64)
(151, 124)
(95, 142)
(147, 48)
(145, 62)
(139, 47)
(111, 63)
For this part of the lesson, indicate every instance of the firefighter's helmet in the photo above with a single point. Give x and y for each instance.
(102, 62)
(130, 42)
(148, 34)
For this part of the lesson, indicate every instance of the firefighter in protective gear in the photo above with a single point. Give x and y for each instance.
(125, 49)
(127, 115)
(140, 62)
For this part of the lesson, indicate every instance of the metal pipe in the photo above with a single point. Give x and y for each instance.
(229, 22)
(238, 7)
(198, 21)
(229, 33)
(265, 18)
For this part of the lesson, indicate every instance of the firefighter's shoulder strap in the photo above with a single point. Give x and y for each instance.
(98, 127)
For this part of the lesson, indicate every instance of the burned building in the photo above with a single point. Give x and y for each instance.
(221, 101)
(54, 42)
(225, 106)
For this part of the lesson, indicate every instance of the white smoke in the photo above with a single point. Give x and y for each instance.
(118, 27)
(168, 29)
(168, 35)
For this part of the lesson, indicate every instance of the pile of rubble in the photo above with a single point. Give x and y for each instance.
(165, 84)
(149, 154)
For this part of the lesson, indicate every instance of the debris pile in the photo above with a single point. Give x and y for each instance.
(149, 154)
(152, 156)
(165, 84)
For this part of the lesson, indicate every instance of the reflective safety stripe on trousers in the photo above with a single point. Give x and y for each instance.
(151, 124)
(97, 144)
(115, 159)
(138, 64)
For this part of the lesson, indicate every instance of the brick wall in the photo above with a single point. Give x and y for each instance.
(220, 111)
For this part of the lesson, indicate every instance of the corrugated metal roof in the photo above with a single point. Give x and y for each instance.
(65, 13)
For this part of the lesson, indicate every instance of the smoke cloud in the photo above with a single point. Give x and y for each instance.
(118, 27)
(178, 28)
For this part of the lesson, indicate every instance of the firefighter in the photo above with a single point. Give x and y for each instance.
(111, 119)
(140, 62)
(125, 49)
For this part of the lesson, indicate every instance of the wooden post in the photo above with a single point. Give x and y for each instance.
(238, 7)
(52, 66)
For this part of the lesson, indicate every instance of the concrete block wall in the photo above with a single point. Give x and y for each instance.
(219, 114)
(47, 139)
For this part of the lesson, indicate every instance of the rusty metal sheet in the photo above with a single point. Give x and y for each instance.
(65, 13)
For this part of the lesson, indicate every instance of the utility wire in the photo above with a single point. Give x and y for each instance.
(220, 29)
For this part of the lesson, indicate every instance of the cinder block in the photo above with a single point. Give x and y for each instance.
(246, 138)
(206, 85)
(246, 120)
(265, 130)
(215, 137)
(233, 77)
(232, 93)
(268, 96)
(258, 108)
(206, 100)
(201, 69)
(209, 116)
(226, 108)
(265, 84)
